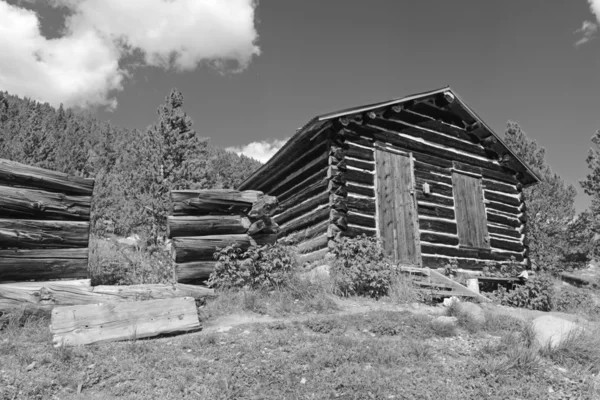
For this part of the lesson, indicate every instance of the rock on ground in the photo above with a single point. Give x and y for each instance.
(552, 331)
(472, 311)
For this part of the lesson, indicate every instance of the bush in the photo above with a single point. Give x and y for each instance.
(269, 266)
(574, 301)
(536, 294)
(361, 267)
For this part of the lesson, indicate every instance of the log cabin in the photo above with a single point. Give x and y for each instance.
(423, 173)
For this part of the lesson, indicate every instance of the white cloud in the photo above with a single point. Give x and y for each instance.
(261, 151)
(588, 30)
(81, 68)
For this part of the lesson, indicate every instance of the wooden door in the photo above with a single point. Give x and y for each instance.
(396, 207)
(470, 211)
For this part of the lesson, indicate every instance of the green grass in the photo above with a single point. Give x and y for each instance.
(373, 355)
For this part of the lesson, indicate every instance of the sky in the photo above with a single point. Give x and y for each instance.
(253, 72)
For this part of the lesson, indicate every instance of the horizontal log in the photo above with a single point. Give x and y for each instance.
(20, 175)
(319, 176)
(202, 248)
(506, 231)
(302, 208)
(315, 256)
(38, 204)
(502, 198)
(422, 121)
(432, 137)
(312, 245)
(337, 188)
(469, 264)
(499, 175)
(431, 168)
(433, 178)
(431, 237)
(360, 164)
(355, 230)
(94, 323)
(434, 187)
(492, 205)
(361, 204)
(433, 210)
(206, 225)
(362, 220)
(445, 226)
(352, 187)
(431, 198)
(304, 193)
(359, 176)
(437, 113)
(299, 174)
(501, 219)
(32, 234)
(194, 271)
(43, 264)
(205, 202)
(430, 249)
(432, 160)
(359, 152)
(307, 233)
(46, 295)
(506, 245)
(305, 221)
(500, 186)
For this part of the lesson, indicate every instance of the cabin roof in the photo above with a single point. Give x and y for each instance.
(315, 126)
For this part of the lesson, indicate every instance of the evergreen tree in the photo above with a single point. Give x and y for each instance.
(550, 209)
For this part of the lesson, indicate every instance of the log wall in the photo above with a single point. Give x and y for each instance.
(44, 223)
(204, 220)
(438, 148)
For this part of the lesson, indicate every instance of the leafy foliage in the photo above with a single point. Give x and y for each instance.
(536, 294)
(134, 169)
(259, 267)
(555, 241)
(361, 267)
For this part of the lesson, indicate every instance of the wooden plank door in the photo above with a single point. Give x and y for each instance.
(396, 207)
(471, 218)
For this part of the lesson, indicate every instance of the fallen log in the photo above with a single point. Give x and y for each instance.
(94, 323)
(47, 295)
(31, 234)
(21, 175)
(207, 225)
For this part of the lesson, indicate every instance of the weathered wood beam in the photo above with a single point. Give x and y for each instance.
(314, 244)
(437, 238)
(434, 210)
(35, 234)
(355, 188)
(319, 176)
(205, 202)
(300, 174)
(506, 231)
(20, 175)
(362, 220)
(94, 323)
(207, 225)
(431, 249)
(308, 232)
(359, 152)
(47, 295)
(361, 204)
(468, 264)
(39, 204)
(445, 226)
(309, 219)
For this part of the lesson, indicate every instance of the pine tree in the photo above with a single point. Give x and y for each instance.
(550, 209)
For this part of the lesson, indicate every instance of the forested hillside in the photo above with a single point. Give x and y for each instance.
(134, 169)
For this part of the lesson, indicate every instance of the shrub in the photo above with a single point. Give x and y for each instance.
(361, 267)
(574, 301)
(536, 294)
(269, 266)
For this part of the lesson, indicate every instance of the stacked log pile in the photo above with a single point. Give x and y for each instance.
(204, 220)
(44, 223)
